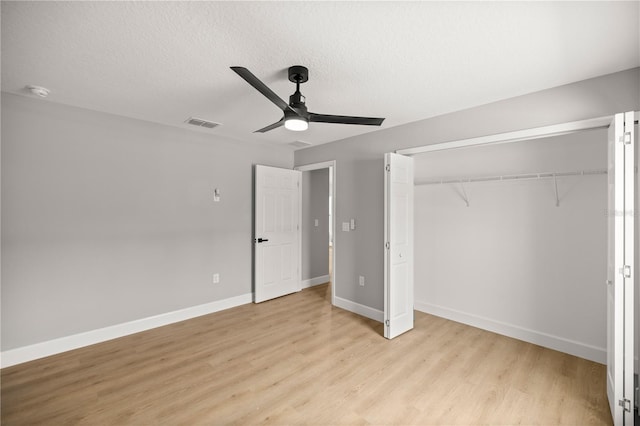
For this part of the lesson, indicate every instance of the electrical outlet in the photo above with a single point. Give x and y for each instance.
(216, 278)
(361, 281)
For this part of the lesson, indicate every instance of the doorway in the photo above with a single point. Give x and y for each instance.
(318, 247)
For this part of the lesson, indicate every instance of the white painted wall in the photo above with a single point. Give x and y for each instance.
(107, 220)
(360, 161)
(315, 239)
(512, 261)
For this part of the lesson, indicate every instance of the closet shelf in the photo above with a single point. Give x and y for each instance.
(543, 175)
(528, 176)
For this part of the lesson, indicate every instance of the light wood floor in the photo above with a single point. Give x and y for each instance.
(297, 360)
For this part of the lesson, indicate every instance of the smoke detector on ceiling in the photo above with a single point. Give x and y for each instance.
(43, 92)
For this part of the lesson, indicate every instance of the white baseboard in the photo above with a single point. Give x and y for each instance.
(359, 309)
(67, 343)
(315, 281)
(557, 343)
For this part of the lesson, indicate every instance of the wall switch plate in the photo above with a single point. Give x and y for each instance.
(353, 224)
(315, 223)
(216, 278)
(345, 226)
(361, 281)
(216, 195)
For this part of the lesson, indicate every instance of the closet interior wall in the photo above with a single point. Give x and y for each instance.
(513, 261)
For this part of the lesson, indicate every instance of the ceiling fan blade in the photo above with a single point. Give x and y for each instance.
(271, 126)
(261, 87)
(345, 119)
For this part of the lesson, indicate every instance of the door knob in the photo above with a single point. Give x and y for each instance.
(261, 240)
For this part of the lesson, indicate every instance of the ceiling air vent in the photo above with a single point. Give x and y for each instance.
(201, 123)
(300, 144)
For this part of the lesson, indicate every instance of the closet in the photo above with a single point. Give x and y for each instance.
(513, 238)
(518, 259)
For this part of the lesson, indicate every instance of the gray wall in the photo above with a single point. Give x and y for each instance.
(315, 239)
(512, 256)
(359, 167)
(107, 219)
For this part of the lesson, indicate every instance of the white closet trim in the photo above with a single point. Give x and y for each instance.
(519, 135)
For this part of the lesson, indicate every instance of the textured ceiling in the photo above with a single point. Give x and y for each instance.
(166, 61)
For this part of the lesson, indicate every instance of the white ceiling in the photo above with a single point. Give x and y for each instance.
(406, 61)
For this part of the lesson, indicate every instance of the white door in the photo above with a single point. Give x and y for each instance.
(621, 268)
(398, 261)
(276, 232)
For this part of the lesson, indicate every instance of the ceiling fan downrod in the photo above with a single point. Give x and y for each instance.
(298, 75)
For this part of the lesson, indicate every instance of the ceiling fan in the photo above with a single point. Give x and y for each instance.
(296, 117)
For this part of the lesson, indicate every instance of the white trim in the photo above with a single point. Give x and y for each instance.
(315, 281)
(579, 349)
(331, 165)
(316, 166)
(299, 234)
(356, 308)
(517, 136)
(67, 343)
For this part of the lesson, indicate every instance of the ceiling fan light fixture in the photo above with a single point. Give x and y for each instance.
(297, 124)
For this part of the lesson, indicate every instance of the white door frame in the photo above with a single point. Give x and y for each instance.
(331, 165)
(517, 136)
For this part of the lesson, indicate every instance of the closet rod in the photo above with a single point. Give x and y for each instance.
(544, 175)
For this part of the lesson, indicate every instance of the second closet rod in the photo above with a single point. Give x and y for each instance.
(544, 175)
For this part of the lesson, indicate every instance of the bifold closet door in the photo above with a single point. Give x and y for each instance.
(398, 260)
(621, 267)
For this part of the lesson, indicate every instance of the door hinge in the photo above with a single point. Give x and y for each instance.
(626, 404)
(388, 167)
(387, 323)
(626, 271)
(387, 245)
(626, 138)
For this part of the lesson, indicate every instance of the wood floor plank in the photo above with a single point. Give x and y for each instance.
(298, 360)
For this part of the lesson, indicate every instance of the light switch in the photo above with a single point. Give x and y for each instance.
(316, 222)
(216, 195)
(345, 226)
(353, 224)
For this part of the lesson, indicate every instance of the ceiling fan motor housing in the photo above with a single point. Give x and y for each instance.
(297, 101)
